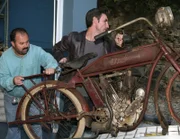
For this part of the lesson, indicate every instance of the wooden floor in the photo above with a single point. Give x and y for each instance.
(147, 132)
(151, 132)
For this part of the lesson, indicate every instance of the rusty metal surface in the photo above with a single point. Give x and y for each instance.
(118, 60)
(94, 93)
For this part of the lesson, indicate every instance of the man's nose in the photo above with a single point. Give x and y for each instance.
(26, 44)
(107, 25)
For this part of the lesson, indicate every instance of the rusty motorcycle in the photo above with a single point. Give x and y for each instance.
(118, 96)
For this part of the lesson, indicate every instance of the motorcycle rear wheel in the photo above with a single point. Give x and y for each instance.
(72, 128)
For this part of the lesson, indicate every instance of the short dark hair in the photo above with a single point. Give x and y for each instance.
(95, 12)
(15, 31)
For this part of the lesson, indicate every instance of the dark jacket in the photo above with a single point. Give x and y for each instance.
(74, 45)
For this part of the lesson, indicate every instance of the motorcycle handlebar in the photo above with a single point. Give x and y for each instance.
(126, 24)
(101, 35)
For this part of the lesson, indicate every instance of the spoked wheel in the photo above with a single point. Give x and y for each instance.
(46, 112)
(172, 94)
(165, 104)
(160, 99)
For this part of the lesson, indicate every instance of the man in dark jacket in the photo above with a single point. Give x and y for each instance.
(78, 44)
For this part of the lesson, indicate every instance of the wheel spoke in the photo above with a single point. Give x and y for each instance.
(49, 113)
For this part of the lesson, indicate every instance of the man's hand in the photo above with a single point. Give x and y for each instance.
(49, 71)
(119, 39)
(63, 60)
(18, 80)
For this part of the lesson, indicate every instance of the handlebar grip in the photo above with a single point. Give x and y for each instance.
(101, 35)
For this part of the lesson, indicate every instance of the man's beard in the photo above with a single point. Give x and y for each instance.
(23, 51)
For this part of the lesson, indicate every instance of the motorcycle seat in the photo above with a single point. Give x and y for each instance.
(79, 62)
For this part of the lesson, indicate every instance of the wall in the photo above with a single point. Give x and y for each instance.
(1, 29)
(74, 14)
(36, 16)
(79, 12)
(68, 16)
(2, 20)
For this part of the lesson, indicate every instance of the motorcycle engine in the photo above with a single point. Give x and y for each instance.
(124, 96)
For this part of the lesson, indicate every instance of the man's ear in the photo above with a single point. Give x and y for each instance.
(95, 20)
(12, 43)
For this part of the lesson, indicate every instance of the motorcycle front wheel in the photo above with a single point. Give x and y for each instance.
(172, 95)
(43, 103)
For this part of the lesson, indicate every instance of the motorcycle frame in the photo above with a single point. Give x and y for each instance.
(118, 61)
(140, 56)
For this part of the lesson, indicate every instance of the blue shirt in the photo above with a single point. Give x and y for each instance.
(12, 65)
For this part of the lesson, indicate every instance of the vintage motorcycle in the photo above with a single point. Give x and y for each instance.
(118, 92)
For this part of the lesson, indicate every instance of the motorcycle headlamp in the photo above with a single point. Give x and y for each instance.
(164, 17)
